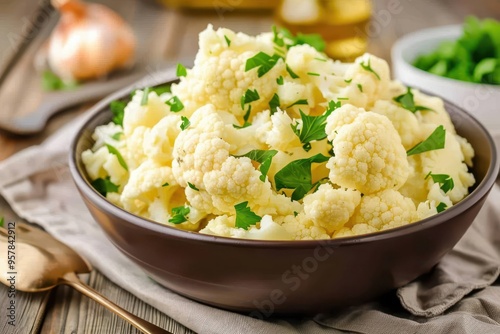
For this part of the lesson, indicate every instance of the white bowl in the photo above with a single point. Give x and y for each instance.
(480, 100)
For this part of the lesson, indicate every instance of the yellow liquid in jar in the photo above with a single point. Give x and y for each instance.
(341, 23)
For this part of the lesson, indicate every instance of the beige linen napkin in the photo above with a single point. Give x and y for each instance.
(37, 184)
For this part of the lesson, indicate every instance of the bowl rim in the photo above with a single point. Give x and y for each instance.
(447, 32)
(165, 77)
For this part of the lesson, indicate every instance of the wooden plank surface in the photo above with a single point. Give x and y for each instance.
(66, 311)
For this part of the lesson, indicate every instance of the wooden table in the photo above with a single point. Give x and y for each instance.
(66, 311)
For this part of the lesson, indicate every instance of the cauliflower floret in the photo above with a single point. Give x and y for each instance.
(200, 148)
(281, 136)
(147, 115)
(404, 121)
(302, 228)
(344, 115)
(133, 151)
(331, 208)
(369, 155)
(357, 229)
(104, 135)
(159, 141)
(101, 163)
(219, 76)
(372, 75)
(384, 210)
(150, 181)
(267, 230)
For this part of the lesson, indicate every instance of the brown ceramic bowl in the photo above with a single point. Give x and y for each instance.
(286, 277)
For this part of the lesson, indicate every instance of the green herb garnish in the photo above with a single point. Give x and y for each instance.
(175, 104)
(185, 123)
(406, 101)
(192, 186)
(368, 67)
(360, 87)
(274, 103)
(166, 184)
(145, 96)
(292, 73)
(179, 215)
(264, 158)
(2, 221)
(117, 135)
(181, 70)
(285, 37)
(445, 181)
(248, 97)
(435, 141)
(51, 82)
(313, 74)
(441, 207)
(280, 80)
(118, 110)
(104, 186)
(228, 41)
(263, 62)
(297, 175)
(118, 155)
(298, 102)
(245, 217)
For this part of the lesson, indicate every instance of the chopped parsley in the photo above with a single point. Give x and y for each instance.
(179, 215)
(228, 41)
(313, 127)
(185, 123)
(118, 110)
(117, 136)
(297, 175)
(320, 59)
(280, 80)
(245, 217)
(175, 104)
(441, 207)
(274, 103)
(406, 101)
(368, 67)
(342, 98)
(348, 81)
(52, 82)
(298, 102)
(192, 186)
(360, 87)
(313, 74)
(445, 181)
(166, 184)
(104, 186)
(145, 95)
(264, 158)
(161, 89)
(249, 96)
(435, 141)
(263, 62)
(114, 151)
(284, 37)
(292, 73)
(181, 70)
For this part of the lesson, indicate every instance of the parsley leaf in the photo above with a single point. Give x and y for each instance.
(161, 89)
(192, 186)
(175, 104)
(444, 180)
(181, 70)
(441, 207)
(228, 41)
(263, 62)
(368, 67)
(117, 136)
(313, 127)
(292, 73)
(166, 184)
(245, 217)
(264, 158)
(435, 141)
(145, 95)
(104, 186)
(280, 80)
(274, 103)
(297, 175)
(118, 110)
(185, 123)
(406, 101)
(360, 87)
(313, 74)
(51, 82)
(114, 151)
(298, 102)
(287, 38)
(179, 214)
(250, 96)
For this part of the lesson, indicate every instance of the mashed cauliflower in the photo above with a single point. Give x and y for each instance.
(265, 138)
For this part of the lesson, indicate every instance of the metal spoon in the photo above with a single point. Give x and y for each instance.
(40, 262)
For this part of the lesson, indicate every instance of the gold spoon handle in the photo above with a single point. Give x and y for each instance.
(146, 327)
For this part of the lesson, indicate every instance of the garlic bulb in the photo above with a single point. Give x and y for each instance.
(89, 41)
